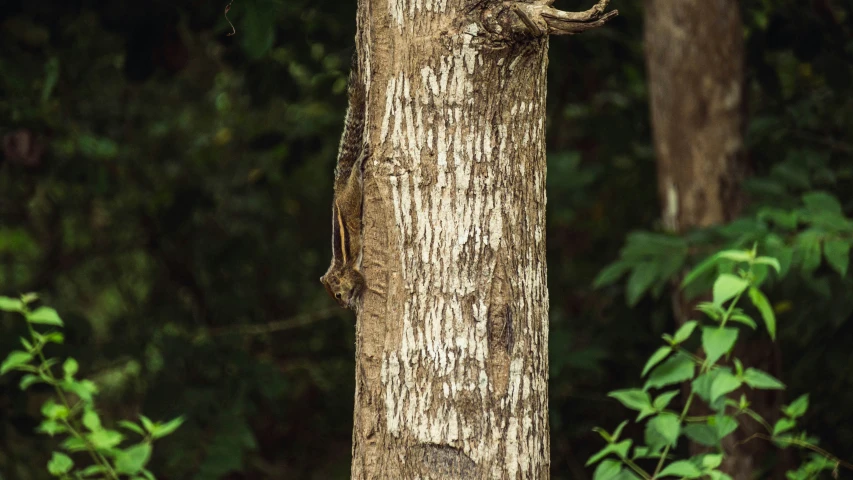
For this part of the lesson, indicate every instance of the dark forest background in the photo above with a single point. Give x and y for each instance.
(166, 187)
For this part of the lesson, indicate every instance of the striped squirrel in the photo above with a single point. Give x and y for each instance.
(343, 280)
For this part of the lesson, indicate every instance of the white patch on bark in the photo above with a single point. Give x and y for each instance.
(402, 11)
(670, 210)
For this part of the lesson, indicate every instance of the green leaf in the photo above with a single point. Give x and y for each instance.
(656, 358)
(727, 286)
(783, 425)
(724, 425)
(798, 407)
(808, 243)
(627, 475)
(70, 367)
(641, 279)
(85, 389)
(681, 469)
(742, 256)
(132, 427)
(700, 269)
(837, 253)
(29, 298)
(54, 337)
(769, 261)
(607, 470)
(715, 312)
(738, 367)
(662, 430)
(610, 274)
(703, 383)
(44, 316)
(716, 475)
(676, 369)
(15, 359)
(662, 401)
(712, 460)
(761, 380)
(820, 201)
(93, 470)
(783, 218)
(91, 420)
(168, 427)
(51, 427)
(618, 431)
(684, 332)
(258, 29)
(644, 452)
(51, 75)
(147, 423)
(635, 399)
(619, 449)
(74, 444)
(133, 459)
(723, 384)
(740, 317)
(105, 439)
(604, 434)
(763, 305)
(702, 434)
(717, 341)
(785, 254)
(59, 464)
(11, 304)
(29, 380)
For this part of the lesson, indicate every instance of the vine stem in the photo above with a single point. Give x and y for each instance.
(666, 449)
(636, 468)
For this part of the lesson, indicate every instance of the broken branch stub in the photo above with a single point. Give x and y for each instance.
(521, 19)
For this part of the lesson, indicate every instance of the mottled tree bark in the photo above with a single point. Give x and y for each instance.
(452, 334)
(695, 62)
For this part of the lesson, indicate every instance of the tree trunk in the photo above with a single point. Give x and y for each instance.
(452, 332)
(695, 62)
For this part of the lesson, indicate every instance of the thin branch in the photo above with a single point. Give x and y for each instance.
(539, 18)
(296, 321)
(793, 441)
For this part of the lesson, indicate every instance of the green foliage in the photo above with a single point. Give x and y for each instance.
(178, 216)
(816, 231)
(711, 381)
(75, 414)
(652, 261)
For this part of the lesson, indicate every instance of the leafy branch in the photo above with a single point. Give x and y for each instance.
(75, 413)
(711, 381)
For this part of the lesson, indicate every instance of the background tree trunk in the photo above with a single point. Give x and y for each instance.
(695, 61)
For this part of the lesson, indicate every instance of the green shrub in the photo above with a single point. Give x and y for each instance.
(73, 414)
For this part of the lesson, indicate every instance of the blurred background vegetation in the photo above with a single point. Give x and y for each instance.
(166, 188)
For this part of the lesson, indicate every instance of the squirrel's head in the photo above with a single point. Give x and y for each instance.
(344, 286)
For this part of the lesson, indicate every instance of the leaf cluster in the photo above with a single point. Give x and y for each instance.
(72, 414)
(714, 376)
